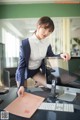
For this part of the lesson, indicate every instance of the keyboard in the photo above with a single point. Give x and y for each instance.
(65, 107)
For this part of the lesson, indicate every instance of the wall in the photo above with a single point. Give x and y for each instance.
(38, 10)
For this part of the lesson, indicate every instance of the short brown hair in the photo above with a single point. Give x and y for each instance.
(47, 22)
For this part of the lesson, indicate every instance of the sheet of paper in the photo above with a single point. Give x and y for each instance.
(25, 106)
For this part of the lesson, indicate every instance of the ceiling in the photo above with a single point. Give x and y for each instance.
(24, 27)
(37, 1)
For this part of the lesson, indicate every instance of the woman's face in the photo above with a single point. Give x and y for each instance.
(42, 32)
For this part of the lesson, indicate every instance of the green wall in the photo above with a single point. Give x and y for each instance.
(38, 10)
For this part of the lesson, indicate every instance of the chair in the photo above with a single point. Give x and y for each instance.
(9, 76)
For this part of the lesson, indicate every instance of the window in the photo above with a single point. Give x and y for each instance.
(12, 44)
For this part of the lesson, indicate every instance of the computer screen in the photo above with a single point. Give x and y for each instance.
(66, 73)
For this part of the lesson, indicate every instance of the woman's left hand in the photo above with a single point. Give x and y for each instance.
(65, 56)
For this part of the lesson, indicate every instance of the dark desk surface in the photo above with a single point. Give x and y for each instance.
(40, 114)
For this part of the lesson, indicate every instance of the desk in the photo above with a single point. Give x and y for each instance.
(40, 114)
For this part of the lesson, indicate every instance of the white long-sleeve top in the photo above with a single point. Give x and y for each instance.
(38, 51)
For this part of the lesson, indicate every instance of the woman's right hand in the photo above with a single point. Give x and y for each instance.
(21, 91)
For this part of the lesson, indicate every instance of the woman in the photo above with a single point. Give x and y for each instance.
(33, 51)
